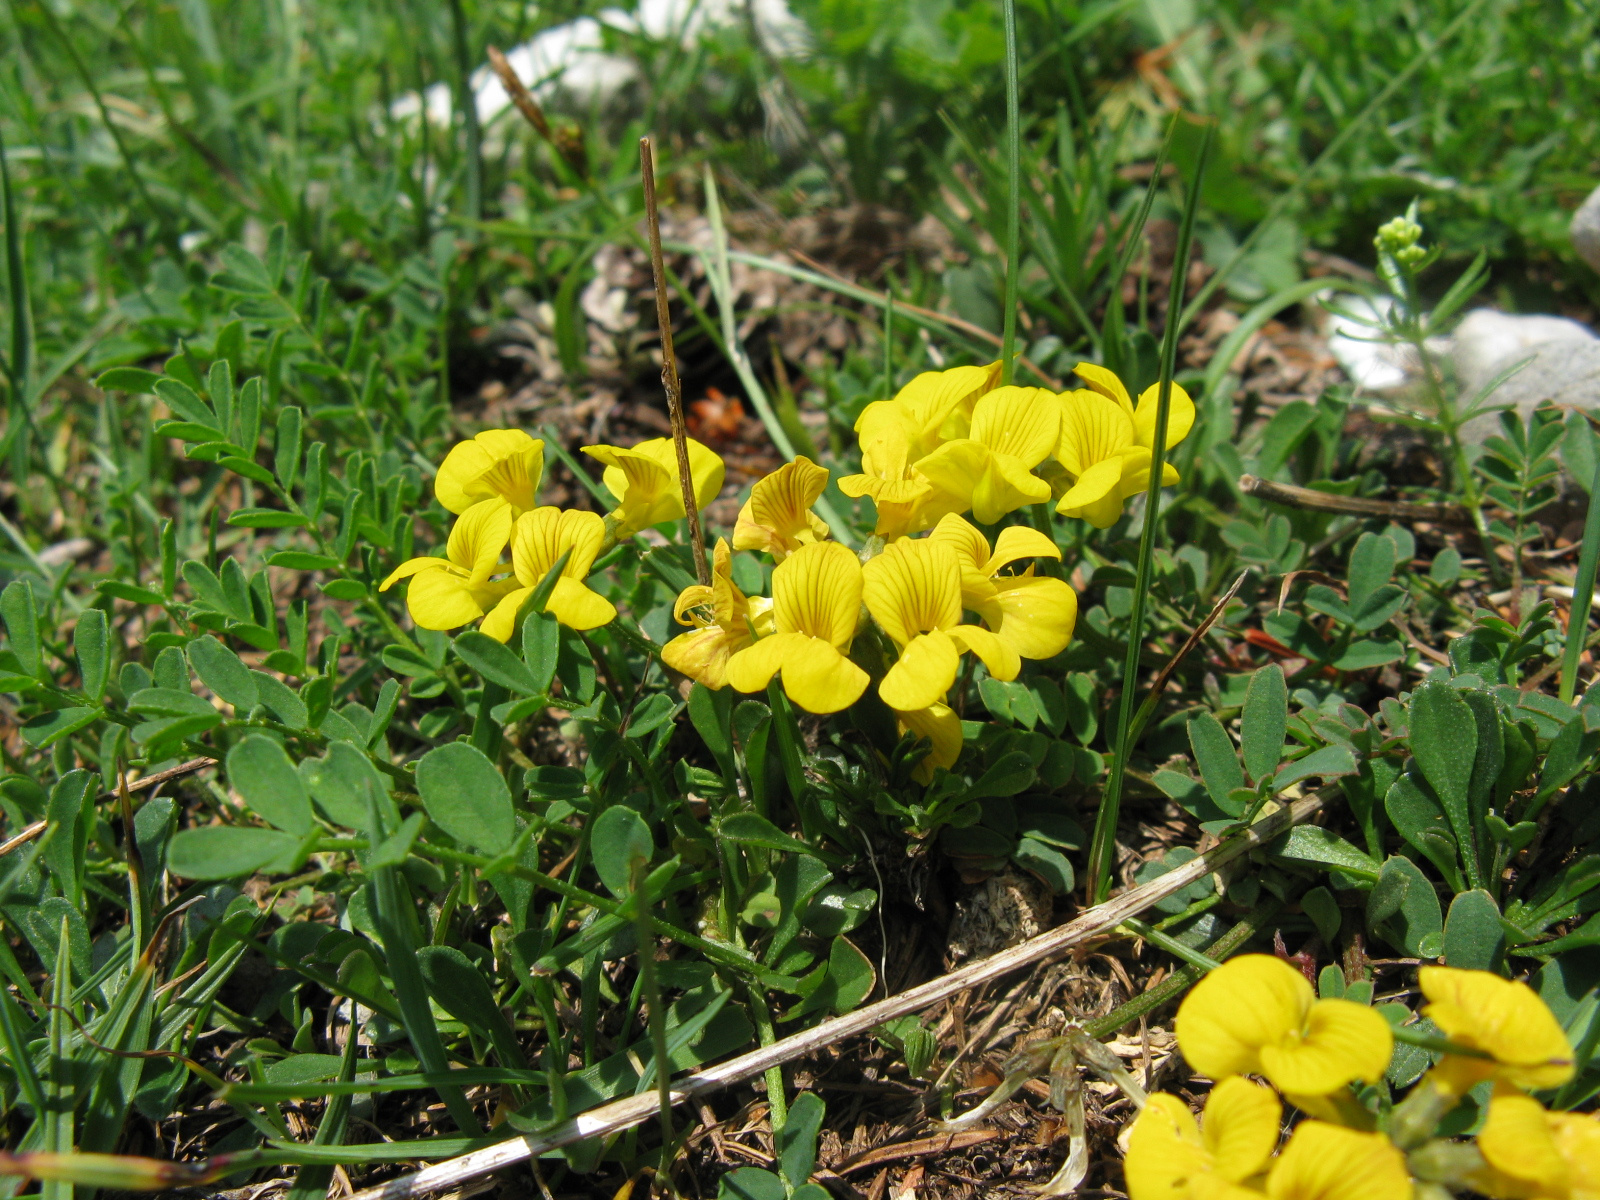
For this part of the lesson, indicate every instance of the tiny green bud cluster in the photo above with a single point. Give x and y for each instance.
(1401, 239)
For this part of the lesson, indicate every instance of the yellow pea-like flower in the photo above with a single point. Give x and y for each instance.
(1170, 1157)
(941, 727)
(734, 622)
(449, 592)
(538, 541)
(1033, 614)
(503, 465)
(934, 406)
(1256, 1014)
(1330, 1162)
(777, 518)
(1537, 1155)
(1107, 442)
(906, 500)
(913, 591)
(816, 605)
(990, 471)
(644, 479)
(1504, 1019)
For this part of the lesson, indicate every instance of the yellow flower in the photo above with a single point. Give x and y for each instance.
(1101, 453)
(1180, 409)
(702, 653)
(816, 603)
(1504, 1019)
(1330, 1162)
(940, 726)
(1537, 1155)
(644, 479)
(778, 518)
(498, 464)
(907, 502)
(934, 406)
(451, 591)
(913, 590)
(1033, 614)
(1256, 1014)
(1014, 429)
(1171, 1158)
(539, 540)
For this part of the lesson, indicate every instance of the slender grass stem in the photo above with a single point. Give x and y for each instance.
(1013, 152)
(1103, 841)
(1582, 595)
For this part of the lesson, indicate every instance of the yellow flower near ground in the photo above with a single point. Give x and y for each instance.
(913, 591)
(1172, 1158)
(777, 518)
(1256, 1014)
(1107, 441)
(1330, 1162)
(499, 464)
(940, 726)
(1537, 1155)
(1033, 614)
(1501, 1017)
(816, 604)
(933, 407)
(644, 479)
(1180, 409)
(1014, 429)
(449, 592)
(539, 540)
(906, 500)
(734, 622)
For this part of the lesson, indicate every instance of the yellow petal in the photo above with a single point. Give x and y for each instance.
(1180, 416)
(817, 591)
(1241, 1127)
(411, 567)
(1505, 1019)
(913, 587)
(1136, 473)
(1102, 513)
(1342, 1041)
(751, 669)
(578, 606)
(954, 469)
(1164, 1151)
(1517, 1140)
(927, 667)
(1328, 1162)
(702, 654)
(1024, 423)
(1006, 485)
(1093, 429)
(696, 595)
(542, 536)
(970, 546)
(1250, 1001)
(1577, 1138)
(479, 535)
(1095, 484)
(778, 518)
(1034, 615)
(997, 655)
(820, 679)
(940, 726)
(644, 479)
(441, 599)
(501, 622)
(1020, 541)
(504, 463)
(922, 407)
(1106, 383)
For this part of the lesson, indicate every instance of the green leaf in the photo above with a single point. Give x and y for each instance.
(303, 1068)
(186, 403)
(91, 645)
(1364, 655)
(1330, 762)
(280, 700)
(1371, 567)
(1323, 910)
(1045, 861)
(1444, 741)
(205, 585)
(247, 468)
(620, 842)
(22, 624)
(495, 662)
(267, 518)
(541, 648)
(1419, 819)
(1218, 761)
(346, 786)
(1474, 935)
(47, 729)
(130, 592)
(344, 589)
(752, 829)
(837, 908)
(1264, 722)
(260, 771)
(849, 980)
(225, 851)
(751, 1183)
(458, 987)
(170, 702)
(654, 712)
(134, 380)
(1312, 843)
(467, 797)
(300, 560)
(1404, 908)
(711, 713)
(221, 670)
(797, 1140)
(392, 851)
(1011, 773)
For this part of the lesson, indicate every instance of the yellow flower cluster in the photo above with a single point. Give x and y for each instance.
(1257, 1015)
(491, 482)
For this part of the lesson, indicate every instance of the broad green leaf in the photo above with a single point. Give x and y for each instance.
(711, 712)
(47, 729)
(752, 829)
(1312, 843)
(91, 645)
(1371, 566)
(21, 616)
(849, 980)
(260, 771)
(1218, 761)
(134, 380)
(541, 648)
(1330, 762)
(1264, 722)
(1418, 818)
(495, 662)
(1444, 741)
(267, 518)
(467, 797)
(303, 1068)
(170, 702)
(1404, 908)
(132, 593)
(1319, 904)
(1474, 936)
(300, 560)
(652, 713)
(797, 1140)
(186, 403)
(281, 700)
(620, 843)
(225, 851)
(1045, 861)
(221, 670)
(751, 1183)
(346, 786)
(458, 987)
(838, 908)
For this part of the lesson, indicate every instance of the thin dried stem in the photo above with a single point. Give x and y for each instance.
(1358, 506)
(520, 96)
(670, 382)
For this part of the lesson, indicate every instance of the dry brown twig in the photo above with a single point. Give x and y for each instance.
(1356, 506)
(29, 832)
(632, 1110)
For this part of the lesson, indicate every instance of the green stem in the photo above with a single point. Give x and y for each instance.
(1170, 944)
(1013, 152)
(1582, 595)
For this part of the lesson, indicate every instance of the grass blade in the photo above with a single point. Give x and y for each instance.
(1582, 595)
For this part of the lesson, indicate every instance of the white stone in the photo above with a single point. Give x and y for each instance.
(1585, 230)
(1486, 342)
(1354, 324)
